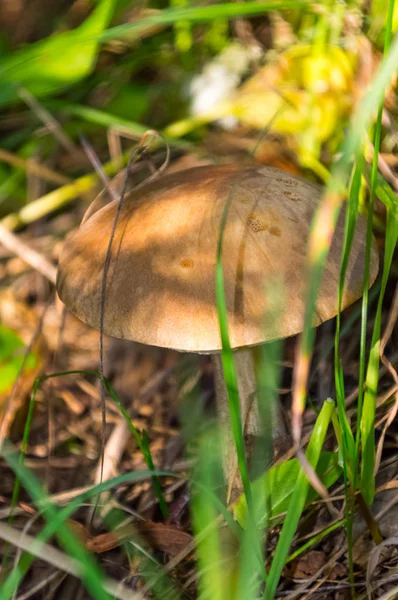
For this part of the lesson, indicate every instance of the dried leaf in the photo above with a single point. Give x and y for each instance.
(166, 538)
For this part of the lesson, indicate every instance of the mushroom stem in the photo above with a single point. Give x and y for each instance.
(257, 438)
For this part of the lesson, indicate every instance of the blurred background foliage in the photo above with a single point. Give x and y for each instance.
(297, 73)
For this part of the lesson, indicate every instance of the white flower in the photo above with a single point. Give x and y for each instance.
(218, 82)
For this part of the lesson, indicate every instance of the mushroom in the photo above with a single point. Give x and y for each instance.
(161, 280)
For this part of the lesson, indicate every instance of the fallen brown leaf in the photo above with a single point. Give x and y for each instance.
(166, 538)
(306, 565)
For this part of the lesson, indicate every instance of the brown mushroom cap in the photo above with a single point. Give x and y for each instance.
(161, 280)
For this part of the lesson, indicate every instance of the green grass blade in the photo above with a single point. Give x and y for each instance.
(140, 439)
(298, 498)
(280, 482)
(315, 540)
(372, 375)
(24, 443)
(200, 14)
(50, 65)
(91, 574)
(252, 540)
(230, 376)
(347, 438)
(204, 515)
(142, 443)
(58, 519)
(96, 116)
(367, 411)
(324, 224)
(342, 427)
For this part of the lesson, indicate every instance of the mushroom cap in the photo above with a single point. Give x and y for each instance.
(161, 286)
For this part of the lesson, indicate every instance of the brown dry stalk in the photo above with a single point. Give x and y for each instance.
(58, 198)
(33, 258)
(34, 167)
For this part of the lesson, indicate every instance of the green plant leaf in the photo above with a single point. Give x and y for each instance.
(366, 417)
(386, 194)
(282, 479)
(298, 498)
(367, 425)
(129, 101)
(54, 63)
(11, 358)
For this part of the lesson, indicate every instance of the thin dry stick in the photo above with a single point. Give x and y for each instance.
(121, 434)
(392, 594)
(339, 553)
(42, 583)
(60, 560)
(108, 257)
(114, 143)
(25, 531)
(27, 254)
(112, 454)
(329, 564)
(60, 197)
(316, 587)
(382, 398)
(135, 156)
(99, 169)
(30, 164)
(47, 118)
(115, 147)
(383, 166)
(392, 413)
(374, 559)
(57, 198)
(316, 483)
(112, 186)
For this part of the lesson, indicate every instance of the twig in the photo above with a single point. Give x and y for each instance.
(121, 434)
(339, 553)
(39, 586)
(113, 452)
(383, 166)
(140, 151)
(316, 483)
(25, 531)
(30, 164)
(27, 254)
(47, 118)
(108, 258)
(99, 169)
(61, 561)
(57, 198)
